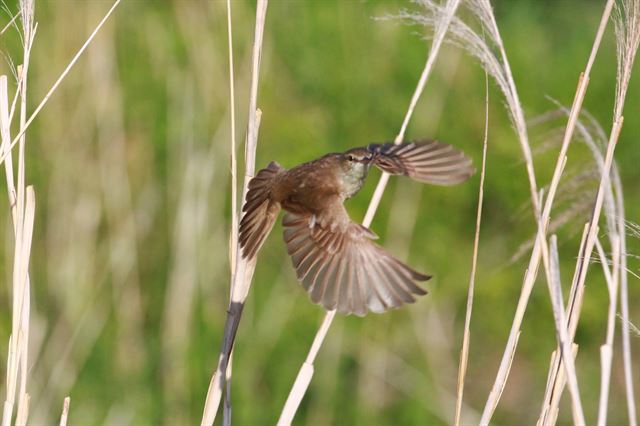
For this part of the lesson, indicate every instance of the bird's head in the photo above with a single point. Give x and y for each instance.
(354, 165)
(356, 161)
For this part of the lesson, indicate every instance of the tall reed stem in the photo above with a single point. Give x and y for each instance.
(305, 374)
(464, 352)
(534, 262)
(243, 272)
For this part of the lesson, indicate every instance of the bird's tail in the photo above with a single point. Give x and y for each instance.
(260, 210)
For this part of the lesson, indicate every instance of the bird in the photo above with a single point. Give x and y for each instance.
(335, 258)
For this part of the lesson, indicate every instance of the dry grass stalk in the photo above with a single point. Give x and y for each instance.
(498, 67)
(543, 221)
(11, 22)
(551, 413)
(583, 263)
(18, 342)
(631, 326)
(65, 412)
(606, 350)
(5, 128)
(22, 202)
(243, 270)
(55, 85)
(25, 220)
(606, 270)
(594, 138)
(305, 374)
(233, 246)
(556, 377)
(627, 37)
(551, 258)
(441, 26)
(484, 12)
(624, 308)
(233, 243)
(577, 288)
(484, 48)
(306, 371)
(464, 352)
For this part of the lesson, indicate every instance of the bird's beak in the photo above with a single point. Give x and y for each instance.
(367, 160)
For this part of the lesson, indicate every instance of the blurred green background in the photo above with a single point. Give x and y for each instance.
(130, 163)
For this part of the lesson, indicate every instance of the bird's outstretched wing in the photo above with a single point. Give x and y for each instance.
(260, 211)
(342, 269)
(427, 161)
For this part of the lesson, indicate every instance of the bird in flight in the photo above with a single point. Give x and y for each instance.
(334, 257)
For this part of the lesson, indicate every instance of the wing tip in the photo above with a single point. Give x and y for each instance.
(419, 276)
(336, 287)
(428, 161)
(247, 254)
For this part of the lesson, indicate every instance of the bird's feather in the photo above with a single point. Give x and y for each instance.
(260, 210)
(342, 269)
(428, 161)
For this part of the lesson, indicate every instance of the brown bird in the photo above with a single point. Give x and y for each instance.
(334, 257)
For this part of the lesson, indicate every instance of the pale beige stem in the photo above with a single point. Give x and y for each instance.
(306, 371)
(438, 39)
(555, 292)
(53, 88)
(606, 350)
(586, 249)
(464, 352)
(24, 310)
(233, 243)
(534, 261)
(625, 332)
(241, 278)
(18, 343)
(234, 164)
(65, 412)
(305, 374)
(23, 212)
(6, 27)
(556, 378)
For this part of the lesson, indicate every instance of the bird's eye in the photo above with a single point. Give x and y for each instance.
(350, 157)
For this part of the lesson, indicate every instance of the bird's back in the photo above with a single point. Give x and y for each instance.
(305, 188)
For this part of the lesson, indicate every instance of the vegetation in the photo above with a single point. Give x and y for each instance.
(130, 164)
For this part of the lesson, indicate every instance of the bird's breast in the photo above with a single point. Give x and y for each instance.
(352, 181)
